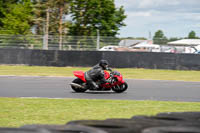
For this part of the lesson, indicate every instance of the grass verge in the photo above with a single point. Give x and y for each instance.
(16, 112)
(127, 72)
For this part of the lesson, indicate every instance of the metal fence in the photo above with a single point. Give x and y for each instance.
(54, 42)
(92, 43)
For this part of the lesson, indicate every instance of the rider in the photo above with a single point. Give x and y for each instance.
(97, 73)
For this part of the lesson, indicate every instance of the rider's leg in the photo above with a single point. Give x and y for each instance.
(91, 83)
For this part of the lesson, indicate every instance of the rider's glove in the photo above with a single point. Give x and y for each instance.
(109, 69)
(109, 80)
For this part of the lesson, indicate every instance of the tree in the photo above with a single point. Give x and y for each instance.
(16, 17)
(159, 37)
(174, 39)
(63, 9)
(90, 15)
(4, 4)
(49, 16)
(192, 35)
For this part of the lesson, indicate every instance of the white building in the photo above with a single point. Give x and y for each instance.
(139, 45)
(188, 45)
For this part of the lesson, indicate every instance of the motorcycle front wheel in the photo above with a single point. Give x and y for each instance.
(120, 88)
(78, 89)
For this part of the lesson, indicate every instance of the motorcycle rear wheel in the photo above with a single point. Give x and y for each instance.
(77, 89)
(120, 88)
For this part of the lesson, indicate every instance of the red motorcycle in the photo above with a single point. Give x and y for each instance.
(116, 84)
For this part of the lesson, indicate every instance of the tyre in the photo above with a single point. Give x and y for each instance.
(23, 130)
(172, 129)
(60, 129)
(181, 115)
(78, 89)
(120, 88)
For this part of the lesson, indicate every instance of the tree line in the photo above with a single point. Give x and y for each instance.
(67, 17)
(61, 17)
(160, 38)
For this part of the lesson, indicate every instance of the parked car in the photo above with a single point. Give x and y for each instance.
(108, 48)
(197, 52)
(197, 49)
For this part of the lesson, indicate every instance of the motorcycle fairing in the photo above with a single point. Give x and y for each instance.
(120, 79)
(106, 74)
(80, 75)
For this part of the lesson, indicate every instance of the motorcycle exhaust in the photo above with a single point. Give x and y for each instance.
(77, 85)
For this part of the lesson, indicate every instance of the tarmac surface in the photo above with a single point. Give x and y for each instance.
(58, 87)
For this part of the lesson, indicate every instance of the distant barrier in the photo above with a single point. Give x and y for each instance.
(53, 42)
(89, 58)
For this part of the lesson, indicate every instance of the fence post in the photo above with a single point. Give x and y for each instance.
(45, 41)
(98, 39)
(46, 36)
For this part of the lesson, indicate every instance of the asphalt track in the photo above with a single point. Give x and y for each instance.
(58, 87)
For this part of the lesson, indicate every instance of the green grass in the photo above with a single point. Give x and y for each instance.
(16, 112)
(131, 73)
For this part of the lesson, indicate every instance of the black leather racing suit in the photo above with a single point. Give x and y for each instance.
(94, 74)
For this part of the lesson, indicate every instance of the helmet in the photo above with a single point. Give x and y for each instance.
(103, 64)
